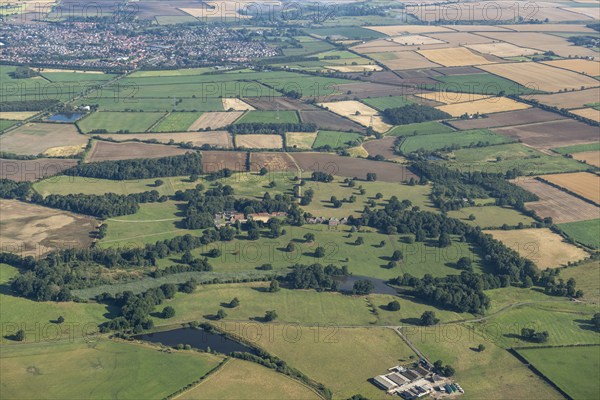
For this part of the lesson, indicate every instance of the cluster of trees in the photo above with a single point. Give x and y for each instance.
(101, 206)
(23, 72)
(445, 370)
(362, 287)
(315, 276)
(135, 309)
(531, 335)
(14, 190)
(412, 113)
(270, 128)
(451, 187)
(142, 168)
(319, 176)
(28, 105)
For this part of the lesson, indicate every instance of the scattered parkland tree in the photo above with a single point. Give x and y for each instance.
(220, 314)
(362, 287)
(393, 305)
(270, 316)
(168, 312)
(234, 302)
(428, 318)
(274, 286)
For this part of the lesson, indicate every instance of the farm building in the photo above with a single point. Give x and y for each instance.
(415, 382)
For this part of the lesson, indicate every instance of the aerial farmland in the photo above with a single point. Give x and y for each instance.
(280, 200)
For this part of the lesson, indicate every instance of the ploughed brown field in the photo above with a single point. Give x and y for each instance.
(29, 229)
(105, 151)
(547, 135)
(509, 118)
(352, 167)
(365, 90)
(215, 160)
(327, 120)
(33, 170)
(384, 147)
(555, 203)
(576, 99)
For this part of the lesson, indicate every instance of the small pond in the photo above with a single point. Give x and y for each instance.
(197, 338)
(65, 117)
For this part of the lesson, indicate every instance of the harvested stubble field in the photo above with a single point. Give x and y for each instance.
(213, 138)
(352, 167)
(568, 28)
(575, 99)
(33, 170)
(35, 138)
(483, 106)
(509, 118)
(17, 115)
(587, 67)
(400, 60)
(104, 151)
(584, 184)
(360, 113)
(215, 120)
(457, 39)
(502, 49)
(273, 162)
(254, 141)
(356, 68)
(236, 105)
(216, 160)
(541, 76)
(589, 113)
(589, 157)
(542, 246)
(413, 40)
(556, 203)
(300, 140)
(29, 229)
(547, 135)
(454, 57)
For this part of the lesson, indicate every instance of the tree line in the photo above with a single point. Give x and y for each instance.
(141, 168)
(270, 128)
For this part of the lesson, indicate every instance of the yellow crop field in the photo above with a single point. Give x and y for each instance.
(215, 120)
(17, 115)
(236, 105)
(451, 97)
(586, 67)
(589, 113)
(589, 157)
(483, 106)
(253, 141)
(358, 112)
(542, 246)
(502, 49)
(541, 76)
(584, 184)
(454, 57)
(300, 140)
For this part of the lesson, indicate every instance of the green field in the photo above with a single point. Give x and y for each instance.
(171, 72)
(231, 382)
(98, 369)
(491, 216)
(480, 83)
(586, 276)
(501, 158)
(83, 78)
(276, 117)
(381, 103)
(578, 148)
(491, 374)
(176, 122)
(164, 104)
(325, 352)
(308, 45)
(5, 123)
(421, 128)
(335, 139)
(584, 232)
(461, 139)
(119, 121)
(153, 221)
(573, 369)
(18, 311)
